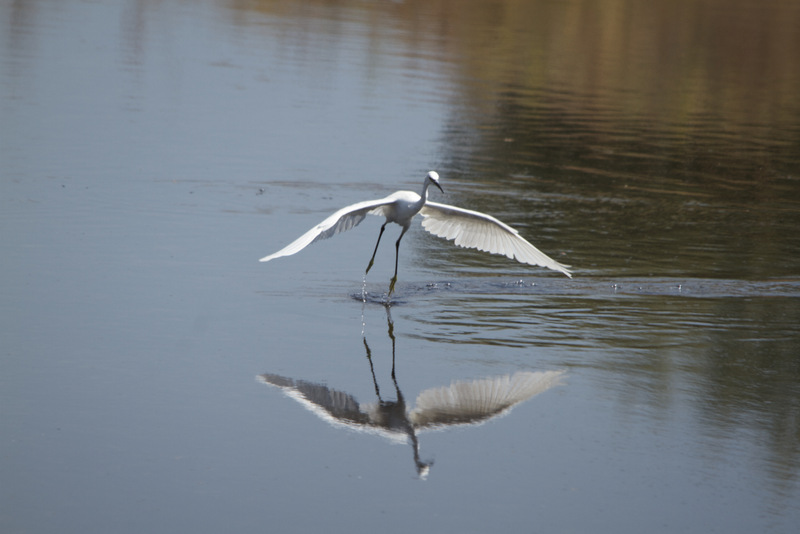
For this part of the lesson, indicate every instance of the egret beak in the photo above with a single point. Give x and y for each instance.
(439, 186)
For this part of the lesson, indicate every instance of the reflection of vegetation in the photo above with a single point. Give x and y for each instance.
(668, 60)
(734, 360)
(661, 57)
(752, 378)
(642, 138)
(657, 137)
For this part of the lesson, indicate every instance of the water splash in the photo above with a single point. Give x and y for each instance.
(363, 306)
(364, 290)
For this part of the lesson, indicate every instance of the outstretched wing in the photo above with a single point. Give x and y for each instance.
(471, 403)
(341, 221)
(472, 229)
(329, 404)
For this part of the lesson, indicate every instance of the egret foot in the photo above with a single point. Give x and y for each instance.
(391, 286)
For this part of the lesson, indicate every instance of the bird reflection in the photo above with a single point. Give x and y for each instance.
(460, 403)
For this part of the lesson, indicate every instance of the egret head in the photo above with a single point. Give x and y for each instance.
(433, 177)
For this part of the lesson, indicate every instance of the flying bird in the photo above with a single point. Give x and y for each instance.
(466, 228)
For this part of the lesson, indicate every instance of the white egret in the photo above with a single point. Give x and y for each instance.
(463, 403)
(466, 228)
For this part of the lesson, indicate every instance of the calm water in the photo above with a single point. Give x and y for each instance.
(157, 378)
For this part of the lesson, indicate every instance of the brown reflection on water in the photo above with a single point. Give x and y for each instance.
(648, 139)
(668, 60)
(638, 141)
(663, 56)
(626, 138)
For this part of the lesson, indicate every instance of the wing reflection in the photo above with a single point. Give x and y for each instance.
(461, 403)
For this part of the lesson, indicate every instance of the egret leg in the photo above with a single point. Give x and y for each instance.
(372, 259)
(396, 258)
(391, 336)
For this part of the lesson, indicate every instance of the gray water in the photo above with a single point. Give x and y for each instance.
(155, 377)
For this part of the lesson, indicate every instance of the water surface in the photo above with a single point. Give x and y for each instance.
(152, 152)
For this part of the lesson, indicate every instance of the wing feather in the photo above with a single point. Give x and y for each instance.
(341, 221)
(472, 229)
(469, 403)
(329, 404)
